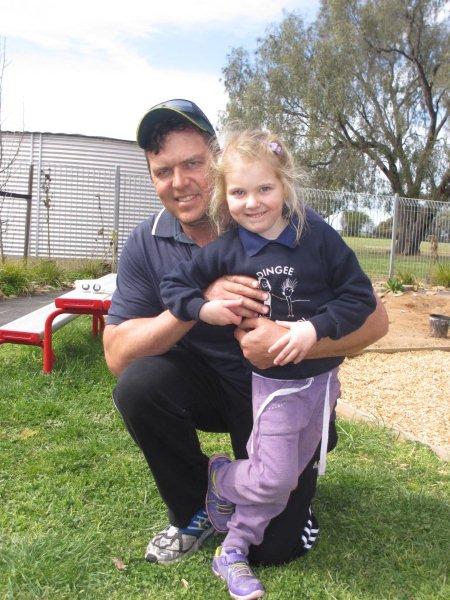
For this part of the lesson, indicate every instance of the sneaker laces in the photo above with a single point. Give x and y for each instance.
(199, 523)
(223, 506)
(241, 568)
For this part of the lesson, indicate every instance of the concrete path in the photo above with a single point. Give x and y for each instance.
(13, 308)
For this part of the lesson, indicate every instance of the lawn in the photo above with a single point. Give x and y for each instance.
(75, 494)
(374, 255)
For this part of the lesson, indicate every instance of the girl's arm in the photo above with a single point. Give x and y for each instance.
(182, 290)
(221, 312)
(353, 294)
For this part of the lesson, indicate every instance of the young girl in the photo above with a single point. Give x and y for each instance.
(316, 289)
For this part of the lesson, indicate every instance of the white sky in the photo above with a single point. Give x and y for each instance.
(95, 66)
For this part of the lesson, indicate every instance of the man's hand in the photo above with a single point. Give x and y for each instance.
(239, 287)
(295, 344)
(221, 312)
(255, 337)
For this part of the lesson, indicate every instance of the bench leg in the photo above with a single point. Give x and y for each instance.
(94, 325)
(47, 348)
(48, 357)
(98, 324)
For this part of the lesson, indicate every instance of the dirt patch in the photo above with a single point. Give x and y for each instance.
(409, 391)
(409, 319)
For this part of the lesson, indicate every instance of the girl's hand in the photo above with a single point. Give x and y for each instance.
(296, 344)
(239, 287)
(220, 312)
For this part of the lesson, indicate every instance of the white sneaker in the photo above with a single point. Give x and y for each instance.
(173, 543)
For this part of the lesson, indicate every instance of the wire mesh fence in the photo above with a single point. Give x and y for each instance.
(89, 213)
(137, 200)
(391, 236)
(75, 213)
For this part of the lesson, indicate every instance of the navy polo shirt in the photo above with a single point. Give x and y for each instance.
(318, 279)
(155, 247)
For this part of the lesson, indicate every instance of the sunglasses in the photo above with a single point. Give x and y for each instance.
(185, 106)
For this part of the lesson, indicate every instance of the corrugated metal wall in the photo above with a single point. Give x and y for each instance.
(84, 189)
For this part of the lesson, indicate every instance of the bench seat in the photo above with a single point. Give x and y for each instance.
(30, 327)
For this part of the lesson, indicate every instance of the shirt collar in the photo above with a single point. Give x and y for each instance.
(254, 243)
(167, 226)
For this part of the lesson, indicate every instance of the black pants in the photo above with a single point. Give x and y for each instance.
(163, 401)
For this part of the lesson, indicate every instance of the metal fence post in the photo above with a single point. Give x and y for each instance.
(394, 236)
(115, 231)
(38, 199)
(26, 242)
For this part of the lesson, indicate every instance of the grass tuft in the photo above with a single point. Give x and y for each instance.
(394, 284)
(407, 277)
(48, 272)
(441, 275)
(14, 279)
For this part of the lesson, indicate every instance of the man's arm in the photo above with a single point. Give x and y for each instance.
(152, 336)
(257, 335)
(138, 337)
(375, 327)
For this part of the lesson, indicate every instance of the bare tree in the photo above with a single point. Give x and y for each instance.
(8, 155)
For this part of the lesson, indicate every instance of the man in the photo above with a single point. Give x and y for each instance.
(176, 377)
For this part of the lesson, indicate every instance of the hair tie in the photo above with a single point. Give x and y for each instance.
(276, 148)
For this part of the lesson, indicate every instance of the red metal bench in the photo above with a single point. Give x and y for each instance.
(36, 328)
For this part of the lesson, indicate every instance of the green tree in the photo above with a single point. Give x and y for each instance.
(355, 222)
(362, 92)
(384, 229)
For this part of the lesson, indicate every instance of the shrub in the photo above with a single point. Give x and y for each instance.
(14, 279)
(441, 275)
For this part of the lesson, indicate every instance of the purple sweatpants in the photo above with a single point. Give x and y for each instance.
(290, 418)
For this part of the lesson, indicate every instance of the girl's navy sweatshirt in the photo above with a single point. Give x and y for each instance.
(317, 278)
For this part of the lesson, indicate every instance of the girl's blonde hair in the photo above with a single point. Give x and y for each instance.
(251, 146)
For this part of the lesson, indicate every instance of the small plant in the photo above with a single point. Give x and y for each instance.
(14, 279)
(407, 278)
(394, 285)
(46, 182)
(49, 272)
(441, 275)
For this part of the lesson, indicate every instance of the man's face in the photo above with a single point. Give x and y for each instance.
(178, 173)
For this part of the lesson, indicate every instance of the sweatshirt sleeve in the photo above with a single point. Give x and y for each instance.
(182, 288)
(354, 299)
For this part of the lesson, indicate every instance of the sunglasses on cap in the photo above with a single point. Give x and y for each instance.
(163, 111)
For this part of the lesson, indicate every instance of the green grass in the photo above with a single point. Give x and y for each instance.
(374, 253)
(75, 492)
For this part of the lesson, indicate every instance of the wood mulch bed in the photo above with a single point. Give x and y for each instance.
(407, 391)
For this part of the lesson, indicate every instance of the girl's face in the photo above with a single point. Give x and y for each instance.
(255, 197)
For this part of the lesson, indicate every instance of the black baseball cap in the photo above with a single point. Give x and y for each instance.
(160, 112)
